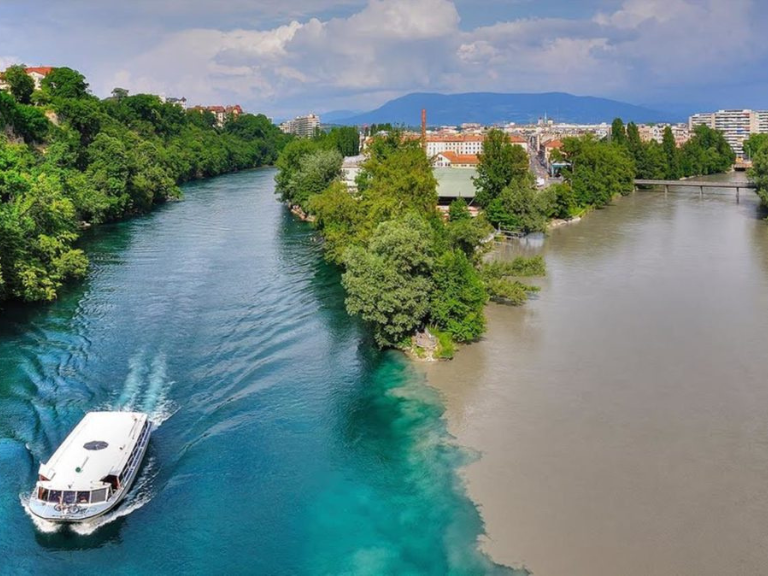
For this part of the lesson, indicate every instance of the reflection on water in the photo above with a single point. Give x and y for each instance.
(623, 415)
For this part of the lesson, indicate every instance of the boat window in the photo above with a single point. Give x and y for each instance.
(54, 495)
(99, 495)
(82, 497)
(69, 497)
(42, 494)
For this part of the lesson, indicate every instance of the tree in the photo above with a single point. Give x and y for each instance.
(707, 152)
(618, 132)
(754, 144)
(459, 297)
(119, 94)
(501, 162)
(598, 171)
(672, 154)
(759, 173)
(397, 178)
(19, 83)
(316, 172)
(518, 208)
(389, 284)
(65, 83)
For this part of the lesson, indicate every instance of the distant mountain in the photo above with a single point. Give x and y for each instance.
(334, 115)
(489, 108)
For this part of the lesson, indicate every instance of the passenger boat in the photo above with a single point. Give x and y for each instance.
(93, 469)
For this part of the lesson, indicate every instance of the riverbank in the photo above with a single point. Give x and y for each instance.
(607, 441)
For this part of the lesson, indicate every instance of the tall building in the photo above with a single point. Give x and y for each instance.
(736, 125)
(302, 125)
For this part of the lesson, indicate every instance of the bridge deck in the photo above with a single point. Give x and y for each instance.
(695, 183)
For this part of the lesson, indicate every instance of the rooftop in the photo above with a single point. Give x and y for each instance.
(98, 446)
(455, 183)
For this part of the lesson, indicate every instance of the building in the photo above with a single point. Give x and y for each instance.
(450, 159)
(303, 126)
(350, 169)
(462, 144)
(36, 73)
(180, 102)
(655, 132)
(736, 125)
(453, 184)
(222, 113)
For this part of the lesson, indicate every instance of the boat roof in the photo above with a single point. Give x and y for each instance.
(99, 446)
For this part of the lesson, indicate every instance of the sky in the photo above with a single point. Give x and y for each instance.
(289, 57)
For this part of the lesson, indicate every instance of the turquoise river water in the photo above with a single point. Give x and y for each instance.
(285, 444)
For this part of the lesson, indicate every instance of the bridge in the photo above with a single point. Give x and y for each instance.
(700, 184)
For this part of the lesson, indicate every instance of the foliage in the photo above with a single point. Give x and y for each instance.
(598, 171)
(499, 285)
(389, 283)
(445, 345)
(519, 208)
(520, 267)
(759, 173)
(103, 161)
(671, 155)
(405, 267)
(19, 83)
(340, 217)
(557, 201)
(501, 163)
(707, 152)
(345, 139)
(754, 144)
(64, 83)
(459, 297)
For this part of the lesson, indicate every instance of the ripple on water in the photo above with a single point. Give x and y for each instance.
(284, 444)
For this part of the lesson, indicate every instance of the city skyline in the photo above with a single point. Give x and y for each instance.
(297, 56)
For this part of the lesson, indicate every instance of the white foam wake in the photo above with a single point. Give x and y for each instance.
(42, 525)
(139, 495)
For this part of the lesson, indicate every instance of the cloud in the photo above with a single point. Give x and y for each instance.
(368, 51)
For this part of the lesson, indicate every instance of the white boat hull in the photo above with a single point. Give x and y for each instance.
(75, 513)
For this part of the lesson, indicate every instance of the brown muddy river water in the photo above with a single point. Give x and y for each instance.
(622, 415)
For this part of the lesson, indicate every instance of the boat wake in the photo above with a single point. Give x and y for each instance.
(146, 388)
(43, 526)
(140, 494)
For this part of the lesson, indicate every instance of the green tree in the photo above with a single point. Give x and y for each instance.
(389, 284)
(518, 209)
(501, 163)
(759, 173)
(65, 83)
(316, 172)
(754, 144)
(671, 154)
(19, 83)
(707, 152)
(618, 132)
(459, 297)
(598, 170)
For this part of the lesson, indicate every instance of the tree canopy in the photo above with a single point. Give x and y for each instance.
(102, 161)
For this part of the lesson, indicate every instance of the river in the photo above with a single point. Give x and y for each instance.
(622, 415)
(285, 444)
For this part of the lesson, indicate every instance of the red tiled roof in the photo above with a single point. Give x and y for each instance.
(554, 144)
(42, 70)
(454, 158)
(517, 140)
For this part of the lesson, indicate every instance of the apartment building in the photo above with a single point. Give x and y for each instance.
(304, 126)
(736, 125)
